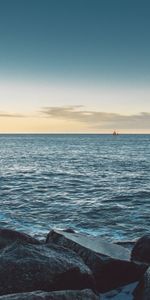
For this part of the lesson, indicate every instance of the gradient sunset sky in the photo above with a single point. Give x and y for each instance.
(74, 66)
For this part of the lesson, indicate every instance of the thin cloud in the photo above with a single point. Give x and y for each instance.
(11, 115)
(92, 120)
(97, 119)
(75, 113)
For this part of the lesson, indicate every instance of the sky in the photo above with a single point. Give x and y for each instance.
(74, 66)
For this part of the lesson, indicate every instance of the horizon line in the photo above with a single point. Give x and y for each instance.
(71, 133)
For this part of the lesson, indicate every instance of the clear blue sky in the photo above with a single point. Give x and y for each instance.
(104, 44)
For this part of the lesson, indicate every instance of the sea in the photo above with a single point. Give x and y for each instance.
(93, 183)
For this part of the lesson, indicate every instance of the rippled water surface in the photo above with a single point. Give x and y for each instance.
(99, 184)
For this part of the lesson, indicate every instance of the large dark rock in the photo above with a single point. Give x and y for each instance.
(109, 273)
(97, 244)
(26, 267)
(58, 295)
(142, 292)
(141, 250)
(8, 236)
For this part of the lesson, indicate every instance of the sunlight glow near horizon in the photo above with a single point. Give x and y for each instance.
(23, 101)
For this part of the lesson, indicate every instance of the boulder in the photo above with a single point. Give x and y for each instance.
(127, 244)
(141, 250)
(122, 293)
(109, 273)
(9, 236)
(58, 295)
(142, 291)
(96, 244)
(29, 267)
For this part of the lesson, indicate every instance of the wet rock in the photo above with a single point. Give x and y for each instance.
(96, 244)
(69, 230)
(58, 295)
(122, 293)
(116, 273)
(26, 267)
(8, 236)
(126, 244)
(108, 273)
(141, 250)
(142, 291)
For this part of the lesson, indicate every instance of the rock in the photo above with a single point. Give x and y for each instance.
(116, 273)
(126, 244)
(8, 236)
(28, 267)
(142, 291)
(141, 250)
(122, 293)
(58, 295)
(69, 230)
(109, 273)
(96, 244)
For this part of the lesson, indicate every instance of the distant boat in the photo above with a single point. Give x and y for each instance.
(115, 132)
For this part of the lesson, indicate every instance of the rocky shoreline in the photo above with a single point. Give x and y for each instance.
(67, 265)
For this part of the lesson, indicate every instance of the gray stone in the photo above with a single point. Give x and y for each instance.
(142, 292)
(58, 295)
(28, 267)
(109, 273)
(97, 244)
(8, 236)
(126, 244)
(141, 250)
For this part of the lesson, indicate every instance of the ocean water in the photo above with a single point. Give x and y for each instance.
(98, 184)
